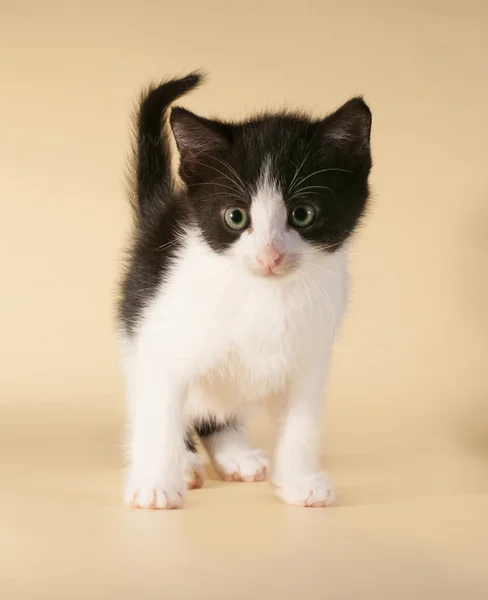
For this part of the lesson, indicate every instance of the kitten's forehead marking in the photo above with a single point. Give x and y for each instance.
(268, 211)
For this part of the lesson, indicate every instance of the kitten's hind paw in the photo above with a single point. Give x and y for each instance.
(194, 473)
(246, 466)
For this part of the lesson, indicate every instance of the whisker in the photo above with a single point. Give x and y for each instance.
(301, 272)
(325, 171)
(222, 195)
(313, 187)
(303, 262)
(290, 187)
(239, 186)
(320, 294)
(325, 297)
(167, 245)
(320, 248)
(227, 187)
(304, 192)
(231, 169)
(360, 234)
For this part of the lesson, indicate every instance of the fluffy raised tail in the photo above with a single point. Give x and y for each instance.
(152, 152)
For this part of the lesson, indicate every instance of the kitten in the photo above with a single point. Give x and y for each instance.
(234, 287)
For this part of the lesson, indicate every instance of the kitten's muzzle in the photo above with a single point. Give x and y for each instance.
(269, 258)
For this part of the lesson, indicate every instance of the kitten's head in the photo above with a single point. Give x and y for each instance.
(277, 191)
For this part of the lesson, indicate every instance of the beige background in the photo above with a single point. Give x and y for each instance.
(407, 412)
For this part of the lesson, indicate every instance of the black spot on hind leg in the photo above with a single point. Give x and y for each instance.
(211, 425)
(194, 472)
(190, 441)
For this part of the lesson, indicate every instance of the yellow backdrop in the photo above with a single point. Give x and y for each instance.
(407, 417)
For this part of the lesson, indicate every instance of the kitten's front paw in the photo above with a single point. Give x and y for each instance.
(247, 466)
(310, 490)
(158, 496)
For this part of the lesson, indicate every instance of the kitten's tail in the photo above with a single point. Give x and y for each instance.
(152, 152)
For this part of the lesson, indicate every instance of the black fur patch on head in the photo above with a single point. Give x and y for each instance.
(324, 164)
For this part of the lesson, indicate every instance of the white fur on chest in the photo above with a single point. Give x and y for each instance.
(235, 337)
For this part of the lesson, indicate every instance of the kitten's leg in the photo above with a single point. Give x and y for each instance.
(193, 471)
(297, 476)
(156, 444)
(230, 452)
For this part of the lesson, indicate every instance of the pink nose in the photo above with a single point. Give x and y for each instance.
(269, 257)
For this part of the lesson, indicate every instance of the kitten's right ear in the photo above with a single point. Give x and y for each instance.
(199, 142)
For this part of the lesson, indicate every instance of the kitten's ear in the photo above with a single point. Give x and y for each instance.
(346, 133)
(199, 142)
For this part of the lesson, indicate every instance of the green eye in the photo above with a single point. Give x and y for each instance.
(236, 218)
(302, 215)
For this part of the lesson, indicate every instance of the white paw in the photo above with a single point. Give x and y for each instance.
(250, 465)
(194, 471)
(309, 490)
(158, 495)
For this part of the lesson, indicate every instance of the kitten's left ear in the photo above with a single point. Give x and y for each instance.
(199, 142)
(346, 133)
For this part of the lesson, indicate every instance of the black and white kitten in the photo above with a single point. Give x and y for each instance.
(235, 285)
